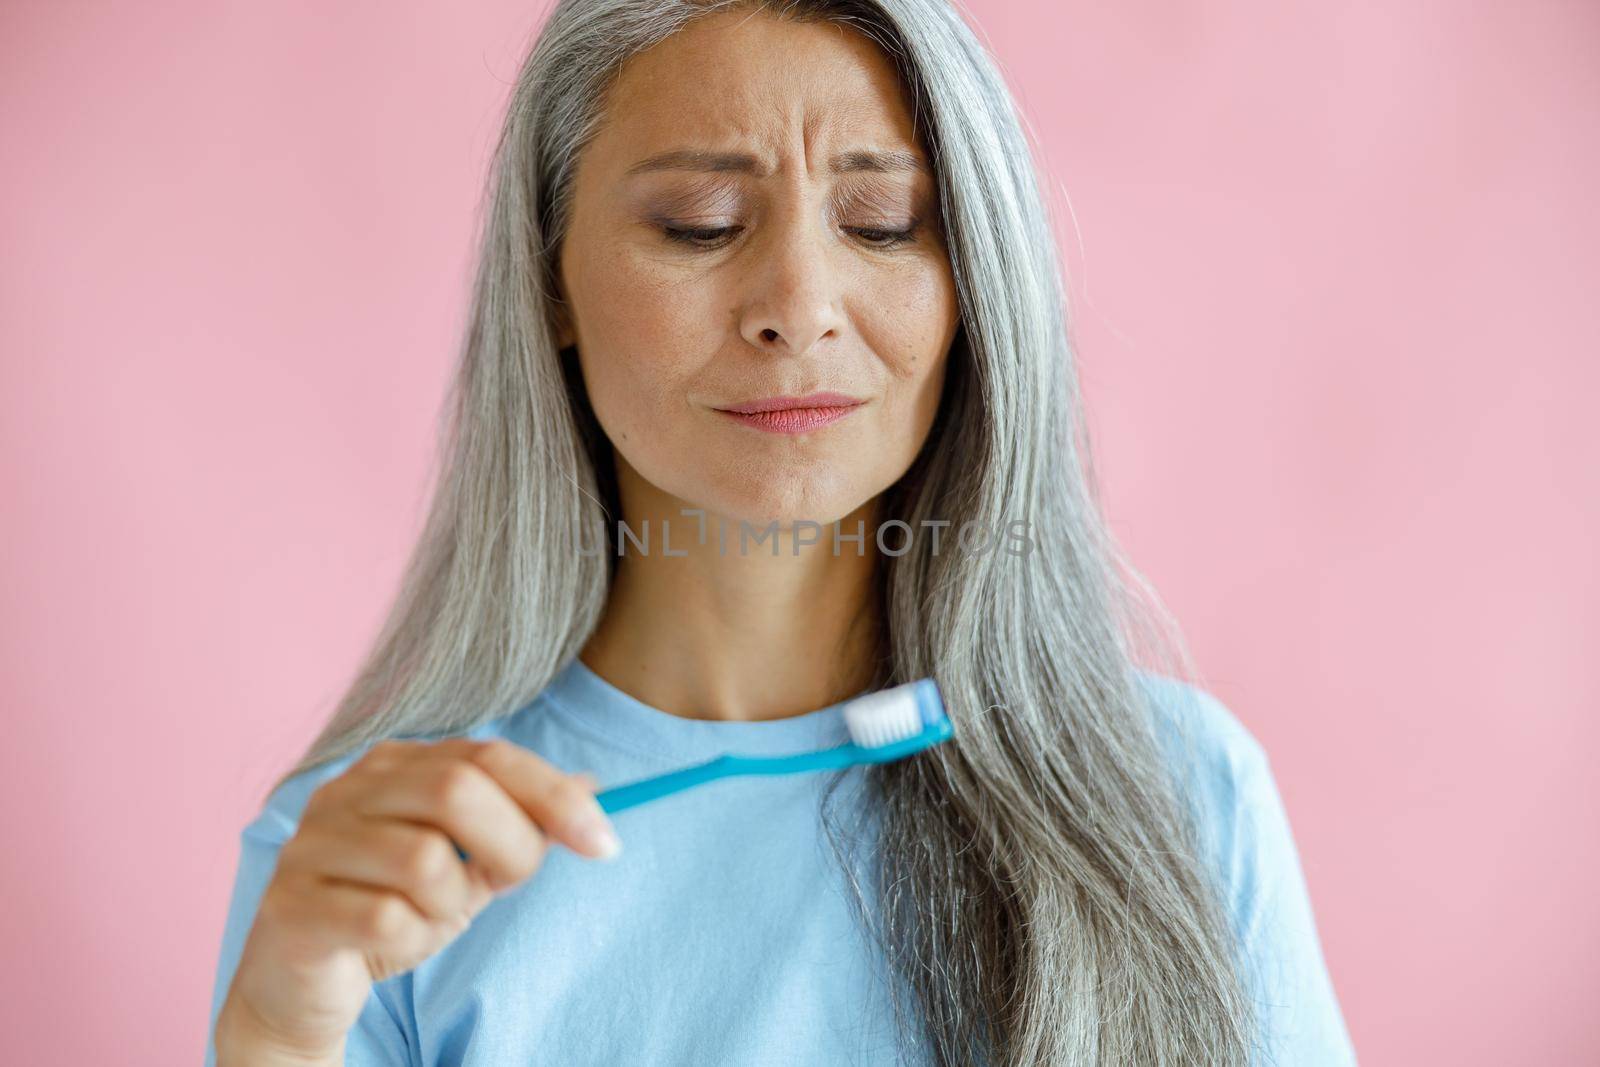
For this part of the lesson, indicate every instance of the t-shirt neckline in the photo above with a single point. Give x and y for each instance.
(604, 709)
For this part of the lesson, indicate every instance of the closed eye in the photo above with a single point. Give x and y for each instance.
(881, 238)
(700, 236)
(716, 236)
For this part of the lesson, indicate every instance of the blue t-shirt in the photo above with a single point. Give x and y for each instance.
(724, 933)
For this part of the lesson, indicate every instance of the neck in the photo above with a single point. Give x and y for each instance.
(734, 631)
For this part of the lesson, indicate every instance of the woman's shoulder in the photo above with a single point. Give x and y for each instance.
(1247, 834)
(1212, 747)
(280, 813)
(1224, 775)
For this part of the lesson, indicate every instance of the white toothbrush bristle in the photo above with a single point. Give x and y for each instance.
(883, 718)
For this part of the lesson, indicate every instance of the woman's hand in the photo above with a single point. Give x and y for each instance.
(371, 883)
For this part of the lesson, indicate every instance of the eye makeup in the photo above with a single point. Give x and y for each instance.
(706, 211)
(867, 196)
(694, 198)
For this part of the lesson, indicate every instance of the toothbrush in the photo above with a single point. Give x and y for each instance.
(884, 726)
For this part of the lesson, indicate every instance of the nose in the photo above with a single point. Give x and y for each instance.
(791, 299)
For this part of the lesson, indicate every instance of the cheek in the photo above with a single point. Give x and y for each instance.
(641, 339)
(909, 316)
(910, 321)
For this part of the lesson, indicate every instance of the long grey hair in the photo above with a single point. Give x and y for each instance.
(1039, 889)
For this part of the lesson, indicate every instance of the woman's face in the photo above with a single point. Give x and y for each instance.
(755, 219)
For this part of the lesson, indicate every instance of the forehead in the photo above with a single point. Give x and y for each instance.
(758, 83)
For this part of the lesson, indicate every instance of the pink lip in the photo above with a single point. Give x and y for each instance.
(784, 403)
(793, 414)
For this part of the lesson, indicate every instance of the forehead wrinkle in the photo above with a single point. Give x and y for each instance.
(755, 109)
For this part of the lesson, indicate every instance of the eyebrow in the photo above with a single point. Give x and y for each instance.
(870, 161)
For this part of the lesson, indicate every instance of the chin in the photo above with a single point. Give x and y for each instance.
(784, 499)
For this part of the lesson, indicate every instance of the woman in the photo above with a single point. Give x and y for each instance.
(699, 207)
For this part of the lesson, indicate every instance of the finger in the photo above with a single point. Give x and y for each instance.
(561, 804)
(463, 801)
(352, 915)
(411, 858)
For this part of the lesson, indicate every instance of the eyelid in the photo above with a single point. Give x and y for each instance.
(874, 195)
(897, 236)
(700, 196)
(691, 222)
(885, 224)
(721, 194)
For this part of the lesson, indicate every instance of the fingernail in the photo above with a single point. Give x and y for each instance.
(595, 832)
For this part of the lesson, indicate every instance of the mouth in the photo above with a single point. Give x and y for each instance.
(792, 414)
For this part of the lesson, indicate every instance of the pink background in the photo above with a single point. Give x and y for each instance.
(1335, 276)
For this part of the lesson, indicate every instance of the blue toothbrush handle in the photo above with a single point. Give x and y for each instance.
(630, 794)
(626, 796)
(848, 754)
